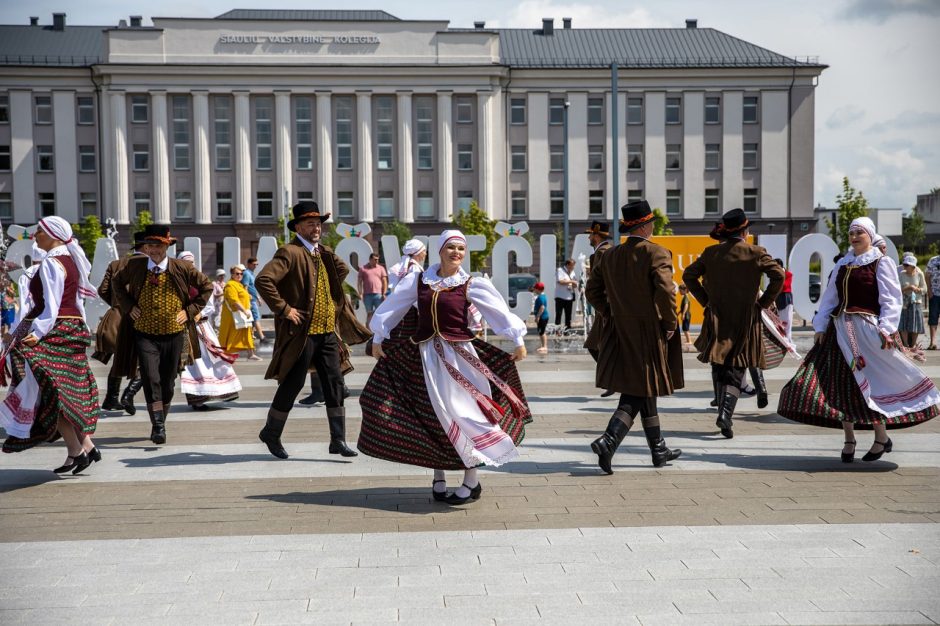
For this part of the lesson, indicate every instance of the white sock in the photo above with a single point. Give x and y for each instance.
(470, 481)
(439, 487)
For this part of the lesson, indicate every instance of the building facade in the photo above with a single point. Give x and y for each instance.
(216, 125)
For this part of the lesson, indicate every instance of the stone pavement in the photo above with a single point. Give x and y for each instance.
(766, 528)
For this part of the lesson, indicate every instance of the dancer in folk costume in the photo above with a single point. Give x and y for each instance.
(413, 255)
(24, 297)
(445, 400)
(211, 377)
(858, 376)
(599, 236)
(53, 392)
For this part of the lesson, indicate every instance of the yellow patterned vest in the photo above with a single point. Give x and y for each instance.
(324, 309)
(159, 303)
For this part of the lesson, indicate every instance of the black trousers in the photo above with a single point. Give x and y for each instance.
(159, 359)
(728, 375)
(323, 352)
(632, 405)
(563, 306)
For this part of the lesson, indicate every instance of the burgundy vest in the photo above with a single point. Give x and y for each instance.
(858, 289)
(68, 307)
(444, 313)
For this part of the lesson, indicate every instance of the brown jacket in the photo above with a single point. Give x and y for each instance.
(731, 330)
(109, 327)
(126, 286)
(289, 281)
(631, 285)
(592, 343)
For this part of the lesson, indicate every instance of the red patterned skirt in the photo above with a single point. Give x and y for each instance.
(67, 388)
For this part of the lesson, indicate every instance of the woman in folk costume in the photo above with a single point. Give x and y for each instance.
(235, 297)
(444, 400)
(25, 299)
(211, 377)
(53, 392)
(413, 261)
(857, 375)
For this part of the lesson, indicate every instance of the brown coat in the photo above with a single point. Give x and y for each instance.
(109, 327)
(126, 286)
(289, 281)
(731, 330)
(593, 341)
(632, 286)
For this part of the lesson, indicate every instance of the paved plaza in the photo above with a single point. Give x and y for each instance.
(766, 528)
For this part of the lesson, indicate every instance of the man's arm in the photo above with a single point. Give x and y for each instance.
(104, 289)
(776, 276)
(664, 298)
(596, 290)
(360, 287)
(120, 293)
(692, 278)
(268, 278)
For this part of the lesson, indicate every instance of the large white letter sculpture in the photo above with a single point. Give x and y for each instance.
(512, 241)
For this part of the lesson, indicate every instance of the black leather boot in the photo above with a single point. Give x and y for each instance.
(127, 398)
(271, 436)
(757, 376)
(336, 416)
(606, 445)
(716, 389)
(111, 402)
(726, 412)
(158, 427)
(654, 437)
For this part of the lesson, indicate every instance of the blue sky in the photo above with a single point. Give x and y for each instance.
(877, 106)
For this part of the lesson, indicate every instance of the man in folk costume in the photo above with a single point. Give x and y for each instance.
(640, 354)
(731, 338)
(303, 286)
(599, 236)
(162, 297)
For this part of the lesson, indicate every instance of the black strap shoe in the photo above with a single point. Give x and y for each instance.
(886, 447)
(849, 457)
(475, 493)
(439, 496)
(75, 462)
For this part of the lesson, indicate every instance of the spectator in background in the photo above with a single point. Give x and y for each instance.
(248, 280)
(685, 312)
(218, 287)
(933, 299)
(784, 301)
(373, 285)
(540, 310)
(565, 292)
(913, 288)
(234, 334)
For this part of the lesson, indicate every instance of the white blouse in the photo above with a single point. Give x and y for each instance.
(52, 275)
(889, 292)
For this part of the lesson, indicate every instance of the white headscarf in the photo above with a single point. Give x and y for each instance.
(412, 247)
(867, 225)
(58, 228)
(449, 235)
(186, 255)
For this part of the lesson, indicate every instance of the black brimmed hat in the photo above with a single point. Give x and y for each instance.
(599, 228)
(635, 214)
(303, 210)
(157, 233)
(139, 240)
(732, 224)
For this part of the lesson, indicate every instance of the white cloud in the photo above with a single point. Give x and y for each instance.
(844, 116)
(529, 14)
(907, 120)
(889, 178)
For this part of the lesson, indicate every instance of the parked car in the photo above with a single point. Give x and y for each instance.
(519, 282)
(815, 287)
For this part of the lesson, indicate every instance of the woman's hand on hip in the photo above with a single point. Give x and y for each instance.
(30, 340)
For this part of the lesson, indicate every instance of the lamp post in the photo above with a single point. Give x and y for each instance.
(565, 179)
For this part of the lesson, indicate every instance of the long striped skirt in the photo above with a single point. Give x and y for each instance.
(57, 368)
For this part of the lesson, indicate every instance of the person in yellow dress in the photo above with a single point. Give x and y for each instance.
(236, 299)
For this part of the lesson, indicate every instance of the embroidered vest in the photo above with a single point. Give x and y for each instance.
(443, 313)
(159, 303)
(858, 289)
(324, 309)
(68, 306)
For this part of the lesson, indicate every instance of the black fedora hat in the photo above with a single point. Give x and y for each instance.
(732, 224)
(634, 215)
(599, 228)
(139, 239)
(305, 209)
(158, 233)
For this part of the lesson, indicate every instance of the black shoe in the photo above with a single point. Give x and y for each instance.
(725, 413)
(440, 496)
(762, 400)
(77, 461)
(661, 454)
(713, 403)
(111, 403)
(606, 445)
(608, 393)
(345, 391)
(94, 454)
(475, 493)
(338, 446)
(81, 463)
(747, 390)
(158, 427)
(272, 439)
(127, 398)
(886, 447)
(199, 407)
(313, 399)
(848, 457)
(757, 375)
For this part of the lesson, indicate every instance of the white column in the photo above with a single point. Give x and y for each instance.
(406, 170)
(105, 156)
(445, 156)
(485, 151)
(285, 164)
(622, 146)
(577, 156)
(119, 191)
(66, 156)
(325, 151)
(202, 170)
(364, 114)
(693, 155)
(732, 150)
(243, 168)
(774, 157)
(22, 158)
(499, 203)
(159, 158)
(655, 166)
(537, 154)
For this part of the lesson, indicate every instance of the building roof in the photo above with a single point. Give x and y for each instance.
(75, 46)
(308, 15)
(635, 47)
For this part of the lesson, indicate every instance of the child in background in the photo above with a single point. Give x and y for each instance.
(540, 310)
(685, 312)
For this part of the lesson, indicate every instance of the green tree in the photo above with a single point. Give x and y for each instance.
(399, 230)
(933, 249)
(88, 233)
(559, 245)
(474, 221)
(912, 228)
(330, 238)
(660, 223)
(280, 232)
(852, 204)
(143, 219)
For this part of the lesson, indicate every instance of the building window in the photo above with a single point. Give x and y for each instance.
(424, 132)
(713, 156)
(556, 158)
(673, 110)
(265, 202)
(712, 201)
(46, 204)
(184, 205)
(424, 209)
(141, 157)
(386, 205)
(303, 132)
(596, 202)
(43, 109)
(180, 132)
(223, 133)
(5, 158)
(518, 158)
(464, 112)
(141, 202)
(712, 110)
(634, 110)
(517, 110)
(674, 156)
(6, 206)
(86, 109)
(465, 156)
(464, 198)
(750, 110)
(518, 204)
(556, 111)
(635, 156)
(750, 156)
(673, 202)
(344, 204)
(751, 200)
(263, 133)
(595, 111)
(384, 132)
(4, 109)
(45, 159)
(596, 158)
(86, 159)
(556, 203)
(140, 109)
(634, 195)
(344, 133)
(223, 204)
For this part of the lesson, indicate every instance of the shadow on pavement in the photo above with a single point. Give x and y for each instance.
(202, 458)
(416, 501)
(13, 479)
